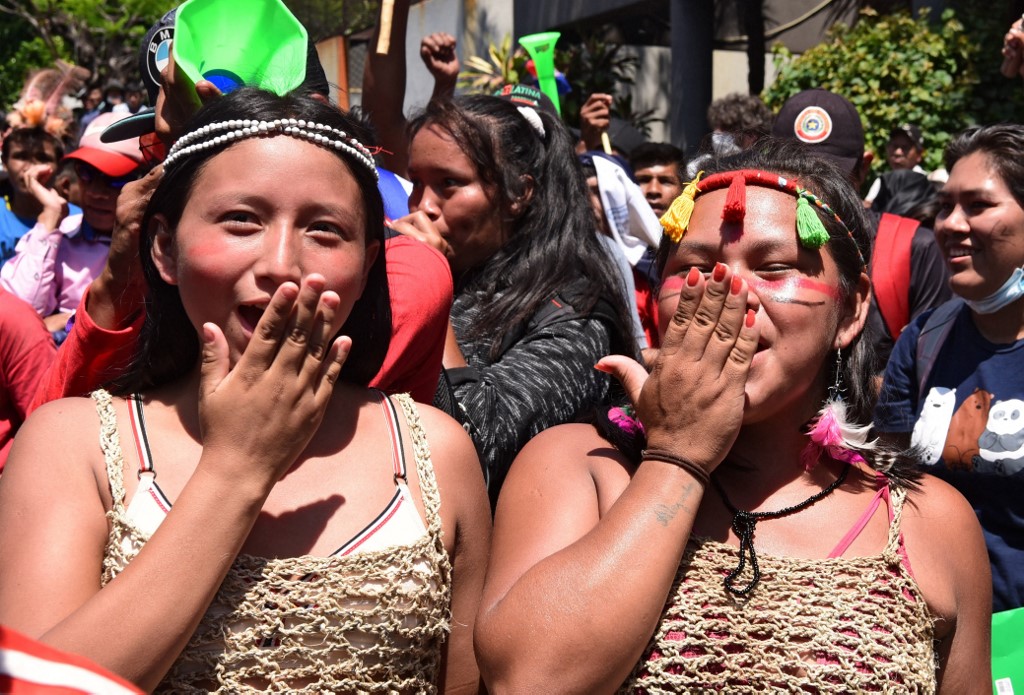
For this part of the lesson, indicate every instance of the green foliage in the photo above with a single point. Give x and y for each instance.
(993, 98)
(594, 65)
(897, 69)
(502, 66)
(894, 69)
(29, 54)
(102, 36)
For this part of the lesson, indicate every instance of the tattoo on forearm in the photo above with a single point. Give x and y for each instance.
(665, 513)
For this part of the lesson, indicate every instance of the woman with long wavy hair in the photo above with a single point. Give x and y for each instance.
(497, 188)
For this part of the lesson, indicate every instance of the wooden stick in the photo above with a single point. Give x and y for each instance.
(387, 10)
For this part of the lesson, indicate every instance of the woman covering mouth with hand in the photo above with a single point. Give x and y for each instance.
(221, 538)
(737, 534)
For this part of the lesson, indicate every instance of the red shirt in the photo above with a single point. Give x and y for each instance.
(26, 351)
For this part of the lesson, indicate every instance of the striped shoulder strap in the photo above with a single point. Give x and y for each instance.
(424, 466)
(395, 431)
(137, 418)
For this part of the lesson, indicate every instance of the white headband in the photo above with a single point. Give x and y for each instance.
(327, 137)
(533, 118)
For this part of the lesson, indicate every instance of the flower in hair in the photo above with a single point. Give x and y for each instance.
(625, 419)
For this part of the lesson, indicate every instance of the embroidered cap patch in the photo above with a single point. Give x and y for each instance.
(813, 125)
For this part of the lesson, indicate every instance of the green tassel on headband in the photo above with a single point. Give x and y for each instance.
(677, 218)
(809, 227)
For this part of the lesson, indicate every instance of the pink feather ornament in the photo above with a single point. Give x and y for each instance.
(832, 433)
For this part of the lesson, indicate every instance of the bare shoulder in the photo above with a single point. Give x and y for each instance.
(450, 445)
(460, 479)
(69, 410)
(936, 504)
(571, 448)
(58, 442)
(570, 467)
(939, 525)
(947, 552)
(61, 423)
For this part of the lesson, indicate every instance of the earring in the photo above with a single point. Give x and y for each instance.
(835, 391)
(831, 432)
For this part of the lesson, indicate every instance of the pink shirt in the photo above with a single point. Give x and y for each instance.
(51, 269)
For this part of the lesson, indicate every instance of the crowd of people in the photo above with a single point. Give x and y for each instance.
(294, 398)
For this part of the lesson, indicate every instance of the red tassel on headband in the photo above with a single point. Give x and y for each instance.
(735, 208)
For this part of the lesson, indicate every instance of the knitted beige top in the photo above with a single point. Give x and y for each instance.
(834, 625)
(372, 622)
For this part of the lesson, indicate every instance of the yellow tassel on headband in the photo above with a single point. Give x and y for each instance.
(677, 218)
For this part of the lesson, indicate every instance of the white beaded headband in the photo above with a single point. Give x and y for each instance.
(211, 135)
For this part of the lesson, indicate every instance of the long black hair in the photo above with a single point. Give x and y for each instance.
(555, 238)
(169, 345)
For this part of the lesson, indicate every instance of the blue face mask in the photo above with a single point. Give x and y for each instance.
(1011, 291)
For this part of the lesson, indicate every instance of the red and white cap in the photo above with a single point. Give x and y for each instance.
(115, 159)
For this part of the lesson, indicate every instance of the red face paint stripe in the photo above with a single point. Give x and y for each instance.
(797, 283)
(673, 283)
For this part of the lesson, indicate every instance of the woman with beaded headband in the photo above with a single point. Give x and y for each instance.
(497, 188)
(739, 536)
(221, 538)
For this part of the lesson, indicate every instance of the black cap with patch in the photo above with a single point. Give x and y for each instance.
(826, 121)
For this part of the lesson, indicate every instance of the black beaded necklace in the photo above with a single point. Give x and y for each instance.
(743, 524)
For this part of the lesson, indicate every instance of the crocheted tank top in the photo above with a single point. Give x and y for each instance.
(838, 625)
(370, 622)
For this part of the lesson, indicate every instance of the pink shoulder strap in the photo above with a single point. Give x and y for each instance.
(881, 494)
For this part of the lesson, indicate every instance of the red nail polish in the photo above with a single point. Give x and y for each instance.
(719, 272)
(692, 277)
(737, 284)
(750, 318)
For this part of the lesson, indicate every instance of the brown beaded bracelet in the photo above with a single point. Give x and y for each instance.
(702, 476)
